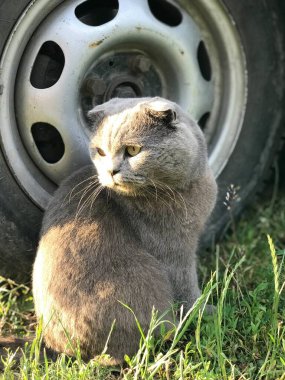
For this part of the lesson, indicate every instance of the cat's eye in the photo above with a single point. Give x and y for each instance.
(133, 150)
(101, 152)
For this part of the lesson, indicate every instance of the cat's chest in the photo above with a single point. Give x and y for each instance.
(163, 234)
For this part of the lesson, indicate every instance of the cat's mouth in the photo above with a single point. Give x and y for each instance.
(122, 188)
(127, 188)
(118, 185)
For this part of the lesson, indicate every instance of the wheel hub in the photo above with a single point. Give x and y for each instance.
(123, 75)
(68, 56)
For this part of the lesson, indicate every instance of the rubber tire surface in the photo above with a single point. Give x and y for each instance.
(261, 27)
(20, 219)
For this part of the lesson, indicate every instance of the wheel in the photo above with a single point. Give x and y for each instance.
(221, 61)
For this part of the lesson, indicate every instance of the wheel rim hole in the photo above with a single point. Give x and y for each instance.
(48, 141)
(48, 65)
(165, 12)
(97, 12)
(204, 61)
(203, 120)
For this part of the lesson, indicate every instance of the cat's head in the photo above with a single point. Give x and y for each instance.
(144, 143)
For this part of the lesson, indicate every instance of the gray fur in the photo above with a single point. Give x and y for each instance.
(131, 237)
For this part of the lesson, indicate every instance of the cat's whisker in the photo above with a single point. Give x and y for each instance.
(182, 202)
(147, 191)
(165, 189)
(170, 193)
(95, 195)
(85, 180)
(167, 194)
(163, 192)
(154, 187)
(92, 198)
(108, 194)
(80, 206)
(84, 188)
(147, 199)
(161, 199)
(78, 184)
(83, 207)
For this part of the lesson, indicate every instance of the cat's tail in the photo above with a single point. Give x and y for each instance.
(15, 345)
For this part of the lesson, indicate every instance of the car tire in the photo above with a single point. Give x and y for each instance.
(262, 32)
(261, 29)
(19, 218)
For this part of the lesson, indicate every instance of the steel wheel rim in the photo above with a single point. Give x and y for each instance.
(216, 30)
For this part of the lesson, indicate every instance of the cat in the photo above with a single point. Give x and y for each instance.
(124, 230)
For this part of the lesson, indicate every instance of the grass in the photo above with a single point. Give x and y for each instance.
(244, 338)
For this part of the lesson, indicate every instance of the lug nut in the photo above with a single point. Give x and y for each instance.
(124, 91)
(140, 63)
(94, 86)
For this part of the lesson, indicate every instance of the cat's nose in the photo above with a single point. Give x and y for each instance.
(114, 172)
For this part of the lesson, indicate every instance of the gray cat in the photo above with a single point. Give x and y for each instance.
(124, 230)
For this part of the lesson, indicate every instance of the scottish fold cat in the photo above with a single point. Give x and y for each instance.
(125, 229)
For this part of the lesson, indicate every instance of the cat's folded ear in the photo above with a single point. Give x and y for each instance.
(159, 109)
(95, 116)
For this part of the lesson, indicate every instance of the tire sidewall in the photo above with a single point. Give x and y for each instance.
(261, 31)
(262, 35)
(20, 219)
